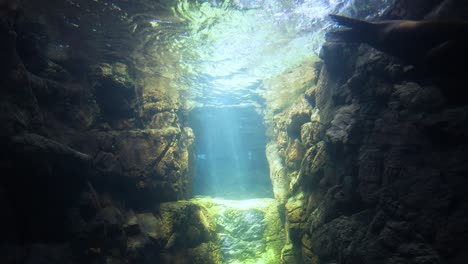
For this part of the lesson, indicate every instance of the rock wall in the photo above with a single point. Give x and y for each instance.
(88, 146)
(368, 161)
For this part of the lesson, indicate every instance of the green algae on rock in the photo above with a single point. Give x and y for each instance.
(178, 232)
(250, 231)
(210, 231)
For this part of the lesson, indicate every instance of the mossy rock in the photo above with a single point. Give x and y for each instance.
(294, 155)
(250, 231)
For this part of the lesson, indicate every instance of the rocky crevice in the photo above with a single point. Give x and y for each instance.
(367, 160)
(371, 163)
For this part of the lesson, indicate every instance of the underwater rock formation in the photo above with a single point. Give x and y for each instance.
(367, 160)
(381, 177)
(87, 148)
(435, 47)
(115, 91)
(250, 231)
(178, 232)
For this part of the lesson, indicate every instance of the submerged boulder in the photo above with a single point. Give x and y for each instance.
(150, 165)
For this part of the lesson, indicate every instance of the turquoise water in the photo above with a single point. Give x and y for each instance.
(230, 153)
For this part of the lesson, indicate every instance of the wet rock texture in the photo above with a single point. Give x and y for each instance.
(374, 157)
(367, 158)
(93, 153)
(250, 231)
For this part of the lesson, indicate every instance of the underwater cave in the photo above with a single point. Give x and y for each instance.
(233, 131)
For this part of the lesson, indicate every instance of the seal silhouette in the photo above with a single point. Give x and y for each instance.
(437, 48)
(413, 41)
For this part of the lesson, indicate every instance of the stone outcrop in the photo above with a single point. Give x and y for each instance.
(374, 174)
(286, 116)
(91, 150)
(367, 157)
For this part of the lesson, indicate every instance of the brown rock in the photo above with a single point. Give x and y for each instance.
(294, 155)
